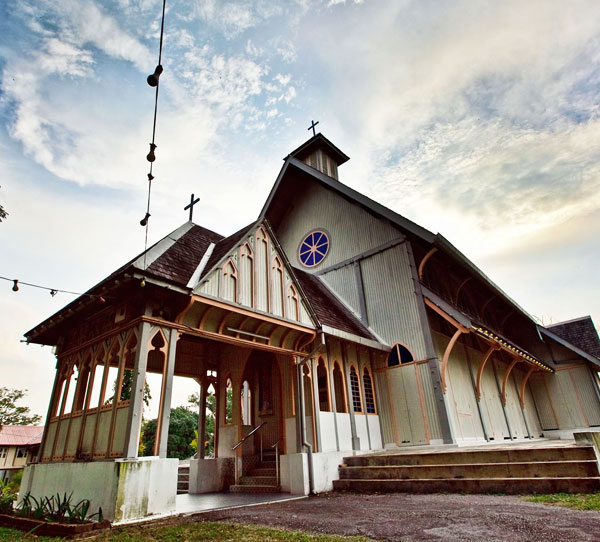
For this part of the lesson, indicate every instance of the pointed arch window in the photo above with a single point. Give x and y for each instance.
(355, 387)
(399, 355)
(230, 278)
(293, 311)
(228, 402)
(247, 275)
(338, 388)
(323, 384)
(368, 391)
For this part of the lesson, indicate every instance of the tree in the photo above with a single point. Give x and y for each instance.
(182, 424)
(10, 413)
(209, 431)
(3, 213)
(126, 389)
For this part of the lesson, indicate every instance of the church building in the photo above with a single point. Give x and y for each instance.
(329, 327)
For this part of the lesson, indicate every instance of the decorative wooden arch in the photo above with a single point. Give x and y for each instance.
(485, 359)
(424, 262)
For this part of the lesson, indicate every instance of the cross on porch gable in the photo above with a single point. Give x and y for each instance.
(190, 206)
(312, 126)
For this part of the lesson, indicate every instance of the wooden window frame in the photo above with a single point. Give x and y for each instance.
(344, 394)
(360, 399)
(367, 371)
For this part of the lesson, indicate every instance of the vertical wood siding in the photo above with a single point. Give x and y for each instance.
(584, 385)
(253, 276)
(548, 419)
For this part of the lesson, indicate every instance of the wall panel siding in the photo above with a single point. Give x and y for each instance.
(384, 406)
(537, 384)
(352, 230)
(490, 403)
(343, 283)
(391, 301)
(435, 430)
(585, 386)
(513, 404)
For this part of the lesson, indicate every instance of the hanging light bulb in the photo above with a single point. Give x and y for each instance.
(102, 300)
(53, 292)
(150, 156)
(150, 176)
(143, 283)
(15, 287)
(153, 77)
(144, 220)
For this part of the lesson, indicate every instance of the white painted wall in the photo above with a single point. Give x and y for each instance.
(327, 428)
(125, 488)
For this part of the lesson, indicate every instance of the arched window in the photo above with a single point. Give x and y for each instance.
(368, 391)
(323, 383)
(229, 286)
(229, 402)
(246, 403)
(355, 387)
(338, 387)
(398, 355)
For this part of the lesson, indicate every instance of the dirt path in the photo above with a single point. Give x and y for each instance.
(424, 517)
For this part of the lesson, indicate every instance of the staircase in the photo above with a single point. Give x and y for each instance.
(183, 478)
(549, 469)
(260, 479)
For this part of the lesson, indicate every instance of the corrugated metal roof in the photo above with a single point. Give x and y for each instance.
(21, 435)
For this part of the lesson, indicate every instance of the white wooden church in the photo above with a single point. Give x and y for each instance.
(336, 327)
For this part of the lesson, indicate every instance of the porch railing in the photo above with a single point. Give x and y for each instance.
(238, 444)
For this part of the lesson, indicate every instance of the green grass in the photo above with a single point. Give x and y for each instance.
(194, 532)
(579, 501)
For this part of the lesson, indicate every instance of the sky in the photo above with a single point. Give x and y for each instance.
(476, 119)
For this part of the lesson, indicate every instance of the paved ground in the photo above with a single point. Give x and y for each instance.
(423, 517)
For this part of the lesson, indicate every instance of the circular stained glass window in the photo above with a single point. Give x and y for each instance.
(313, 248)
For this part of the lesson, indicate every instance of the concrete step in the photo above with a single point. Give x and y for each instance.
(258, 481)
(536, 469)
(263, 471)
(506, 455)
(254, 489)
(473, 485)
(183, 479)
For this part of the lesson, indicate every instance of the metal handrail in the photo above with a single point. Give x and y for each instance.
(248, 435)
(273, 446)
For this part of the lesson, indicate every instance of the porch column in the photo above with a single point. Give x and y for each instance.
(202, 418)
(134, 414)
(355, 437)
(316, 405)
(167, 389)
(53, 401)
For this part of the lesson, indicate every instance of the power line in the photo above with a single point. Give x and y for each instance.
(53, 291)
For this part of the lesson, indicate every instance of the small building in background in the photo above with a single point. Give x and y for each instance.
(19, 445)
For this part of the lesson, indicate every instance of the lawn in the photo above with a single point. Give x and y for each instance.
(192, 532)
(579, 501)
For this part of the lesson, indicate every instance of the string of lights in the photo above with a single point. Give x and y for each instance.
(153, 80)
(53, 291)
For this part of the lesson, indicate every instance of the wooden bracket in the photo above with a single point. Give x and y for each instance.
(485, 359)
(505, 380)
(425, 260)
(523, 385)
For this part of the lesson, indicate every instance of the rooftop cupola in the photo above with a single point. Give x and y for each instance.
(321, 154)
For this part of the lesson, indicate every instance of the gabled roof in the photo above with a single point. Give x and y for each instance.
(21, 435)
(319, 141)
(180, 260)
(375, 208)
(580, 332)
(328, 308)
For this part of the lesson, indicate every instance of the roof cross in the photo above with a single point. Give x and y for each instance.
(190, 206)
(313, 124)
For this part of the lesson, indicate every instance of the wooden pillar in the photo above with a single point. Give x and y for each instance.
(166, 392)
(202, 418)
(136, 403)
(346, 367)
(53, 401)
(316, 405)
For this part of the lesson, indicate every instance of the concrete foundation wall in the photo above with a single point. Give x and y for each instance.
(211, 475)
(125, 489)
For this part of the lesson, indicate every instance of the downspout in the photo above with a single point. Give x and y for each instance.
(302, 409)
